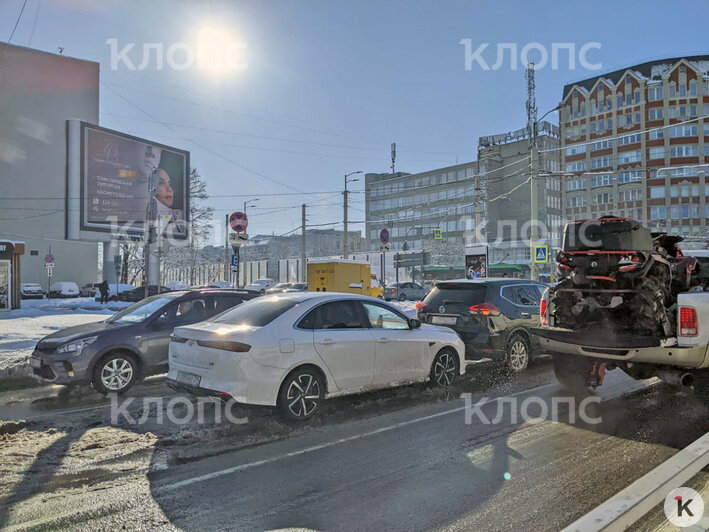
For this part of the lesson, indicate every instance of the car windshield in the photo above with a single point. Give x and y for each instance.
(257, 312)
(142, 309)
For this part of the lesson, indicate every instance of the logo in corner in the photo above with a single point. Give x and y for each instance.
(684, 507)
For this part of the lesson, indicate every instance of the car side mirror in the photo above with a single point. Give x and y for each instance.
(414, 323)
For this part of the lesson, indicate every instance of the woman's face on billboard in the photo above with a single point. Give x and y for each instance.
(164, 191)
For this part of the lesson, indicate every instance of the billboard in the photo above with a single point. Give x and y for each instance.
(476, 261)
(123, 181)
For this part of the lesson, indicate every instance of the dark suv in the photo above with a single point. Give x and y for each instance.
(113, 354)
(492, 316)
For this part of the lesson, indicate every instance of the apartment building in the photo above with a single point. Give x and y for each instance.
(634, 144)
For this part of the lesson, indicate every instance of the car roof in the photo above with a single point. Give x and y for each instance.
(490, 280)
(320, 296)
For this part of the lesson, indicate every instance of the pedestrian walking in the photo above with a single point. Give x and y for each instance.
(103, 288)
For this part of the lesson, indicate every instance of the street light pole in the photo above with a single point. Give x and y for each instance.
(345, 204)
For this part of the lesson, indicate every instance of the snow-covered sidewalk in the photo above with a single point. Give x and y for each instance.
(21, 329)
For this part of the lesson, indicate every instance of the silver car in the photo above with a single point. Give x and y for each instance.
(405, 292)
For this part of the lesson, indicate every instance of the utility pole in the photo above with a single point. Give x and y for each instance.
(345, 196)
(344, 235)
(303, 258)
(534, 170)
(226, 248)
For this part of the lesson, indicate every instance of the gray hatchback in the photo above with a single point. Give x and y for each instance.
(113, 354)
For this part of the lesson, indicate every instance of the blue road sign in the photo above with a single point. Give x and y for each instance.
(541, 254)
(235, 261)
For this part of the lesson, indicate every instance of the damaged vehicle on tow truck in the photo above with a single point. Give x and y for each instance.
(626, 298)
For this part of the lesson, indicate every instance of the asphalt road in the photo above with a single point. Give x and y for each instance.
(414, 468)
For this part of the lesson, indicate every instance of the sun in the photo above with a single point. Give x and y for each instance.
(219, 52)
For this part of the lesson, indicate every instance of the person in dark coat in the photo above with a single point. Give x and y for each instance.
(103, 288)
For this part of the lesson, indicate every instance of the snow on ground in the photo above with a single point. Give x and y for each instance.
(21, 329)
(407, 307)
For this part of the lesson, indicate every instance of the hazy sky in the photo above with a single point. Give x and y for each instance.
(331, 84)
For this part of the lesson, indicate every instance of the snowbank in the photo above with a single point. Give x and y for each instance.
(21, 329)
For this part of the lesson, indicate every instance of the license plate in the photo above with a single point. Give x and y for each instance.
(35, 362)
(188, 378)
(444, 320)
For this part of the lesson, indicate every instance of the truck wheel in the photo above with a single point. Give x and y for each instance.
(571, 371)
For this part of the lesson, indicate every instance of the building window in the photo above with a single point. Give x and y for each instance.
(657, 213)
(602, 145)
(657, 192)
(629, 139)
(602, 162)
(603, 198)
(601, 180)
(575, 150)
(655, 114)
(629, 157)
(578, 166)
(631, 176)
(657, 153)
(654, 93)
(683, 151)
(656, 134)
(683, 131)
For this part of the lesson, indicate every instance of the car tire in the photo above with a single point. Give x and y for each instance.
(518, 351)
(444, 370)
(301, 394)
(572, 372)
(116, 373)
(402, 297)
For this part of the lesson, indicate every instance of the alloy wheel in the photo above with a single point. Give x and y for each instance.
(117, 374)
(444, 369)
(303, 396)
(518, 356)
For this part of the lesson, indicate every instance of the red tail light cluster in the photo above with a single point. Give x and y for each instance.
(688, 323)
(484, 309)
(543, 308)
(420, 305)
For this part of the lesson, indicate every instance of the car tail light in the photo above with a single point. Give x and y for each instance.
(543, 309)
(485, 309)
(225, 345)
(178, 339)
(420, 305)
(688, 323)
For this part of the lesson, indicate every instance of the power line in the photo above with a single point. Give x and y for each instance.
(17, 22)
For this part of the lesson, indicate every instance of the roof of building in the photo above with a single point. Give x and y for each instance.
(650, 70)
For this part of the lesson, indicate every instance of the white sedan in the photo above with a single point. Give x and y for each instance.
(294, 350)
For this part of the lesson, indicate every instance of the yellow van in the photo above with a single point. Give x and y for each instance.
(349, 276)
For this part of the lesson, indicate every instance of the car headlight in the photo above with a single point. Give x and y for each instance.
(76, 346)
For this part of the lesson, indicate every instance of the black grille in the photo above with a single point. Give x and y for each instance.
(46, 372)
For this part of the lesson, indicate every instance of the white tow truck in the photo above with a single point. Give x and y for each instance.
(581, 358)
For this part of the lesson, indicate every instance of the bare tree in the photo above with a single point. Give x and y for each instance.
(199, 227)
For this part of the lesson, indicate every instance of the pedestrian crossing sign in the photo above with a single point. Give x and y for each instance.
(541, 254)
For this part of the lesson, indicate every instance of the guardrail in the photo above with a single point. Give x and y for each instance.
(632, 503)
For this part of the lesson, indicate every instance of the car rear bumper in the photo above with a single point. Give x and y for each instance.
(561, 341)
(235, 374)
(31, 295)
